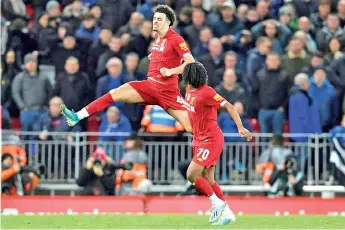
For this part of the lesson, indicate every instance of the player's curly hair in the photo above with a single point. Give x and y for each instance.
(195, 74)
(169, 13)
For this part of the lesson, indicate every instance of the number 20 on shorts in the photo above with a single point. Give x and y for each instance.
(204, 153)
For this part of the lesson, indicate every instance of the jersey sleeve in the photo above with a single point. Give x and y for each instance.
(180, 46)
(212, 98)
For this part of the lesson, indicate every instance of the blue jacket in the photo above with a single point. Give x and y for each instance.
(223, 28)
(123, 125)
(255, 61)
(84, 33)
(304, 116)
(326, 101)
(146, 9)
(228, 125)
(339, 133)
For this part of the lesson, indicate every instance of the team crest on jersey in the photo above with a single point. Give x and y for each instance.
(183, 46)
(217, 97)
(162, 45)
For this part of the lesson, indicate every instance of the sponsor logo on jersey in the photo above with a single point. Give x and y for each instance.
(217, 97)
(183, 46)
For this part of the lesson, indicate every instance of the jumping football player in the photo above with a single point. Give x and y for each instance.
(208, 139)
(161, 86)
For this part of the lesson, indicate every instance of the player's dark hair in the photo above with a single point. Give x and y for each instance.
(169, 13)
(195, 74)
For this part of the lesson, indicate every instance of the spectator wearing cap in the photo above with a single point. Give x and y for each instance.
(133, 26)
(115, 12)
(73, 85)
(229, 24)
(88, 28)
(330, 30)
(295, 59)
(53, 9)
(318, 18)
(114, 79)
(324, 95)
(67, 48)
(14, 9)
(98, 47)
(30, 91)
(316, 61)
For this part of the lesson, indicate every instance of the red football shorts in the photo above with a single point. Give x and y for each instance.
(207, 153)
(155, 93)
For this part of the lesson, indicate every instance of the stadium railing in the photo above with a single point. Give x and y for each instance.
(236, 171)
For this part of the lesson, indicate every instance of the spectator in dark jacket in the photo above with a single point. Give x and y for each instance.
(191, 32)
(230, 89)
(73, 86)
(318, 18)
(230, 62)
(147, 8)
(115, 12)
(230, 24)
(12, 10)
(304, 8)
(133, 26)
(88, 28)
(201, 48)
(271, 83)
(337, 76)
(315, 62)
(140, 43)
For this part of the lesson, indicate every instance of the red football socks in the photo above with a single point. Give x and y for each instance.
(218, 191)
(202, 185)
(99, 104)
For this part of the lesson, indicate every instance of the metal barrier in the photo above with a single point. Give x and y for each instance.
(64, 156)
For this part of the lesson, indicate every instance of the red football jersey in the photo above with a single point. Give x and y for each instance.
(167, 52)
(204, 103)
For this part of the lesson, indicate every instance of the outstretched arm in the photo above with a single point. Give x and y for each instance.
(236, 117)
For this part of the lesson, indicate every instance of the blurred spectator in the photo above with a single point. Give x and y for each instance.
(131, 64)
(230, 89)
(256, 57)
(304, 116)
(201, 48)
(53, 121)
(324, 95)
(317, 19)
(276, 32)
(330, 30)
(97, 177)
(114, 122)
(191, 33)
(344, 104)
(73, 12)
(295, 59)
(53, 9)
(88, 28)
(341, 12)
(133, 181)
(243, 42)
(67, 48)
(157, 120)
(287, 17)
(251, 19)
(228, 126)
(262, 7)
(271, 83)
(73, 86)
(272, 158)
(114, 50)
(144, 62)
(30, 91)
(337, 76)
(308, 42)
(115, 12)
(316, 61)
(12, 10)
(242, 12)
(229, 24)
(140, 43)
(230, 62)
(133, 26)
(213, 60)
(334, 50)
(6, 95)
(304, 8)
(148, 7)
(4, 35)
(305, 25)
(114, 79)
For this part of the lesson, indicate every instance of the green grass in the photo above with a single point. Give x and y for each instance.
(169, 221)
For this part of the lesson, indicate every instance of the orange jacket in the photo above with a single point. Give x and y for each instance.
(17, 152)
(136, 175)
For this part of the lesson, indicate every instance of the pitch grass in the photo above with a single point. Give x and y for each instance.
(168, 222)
